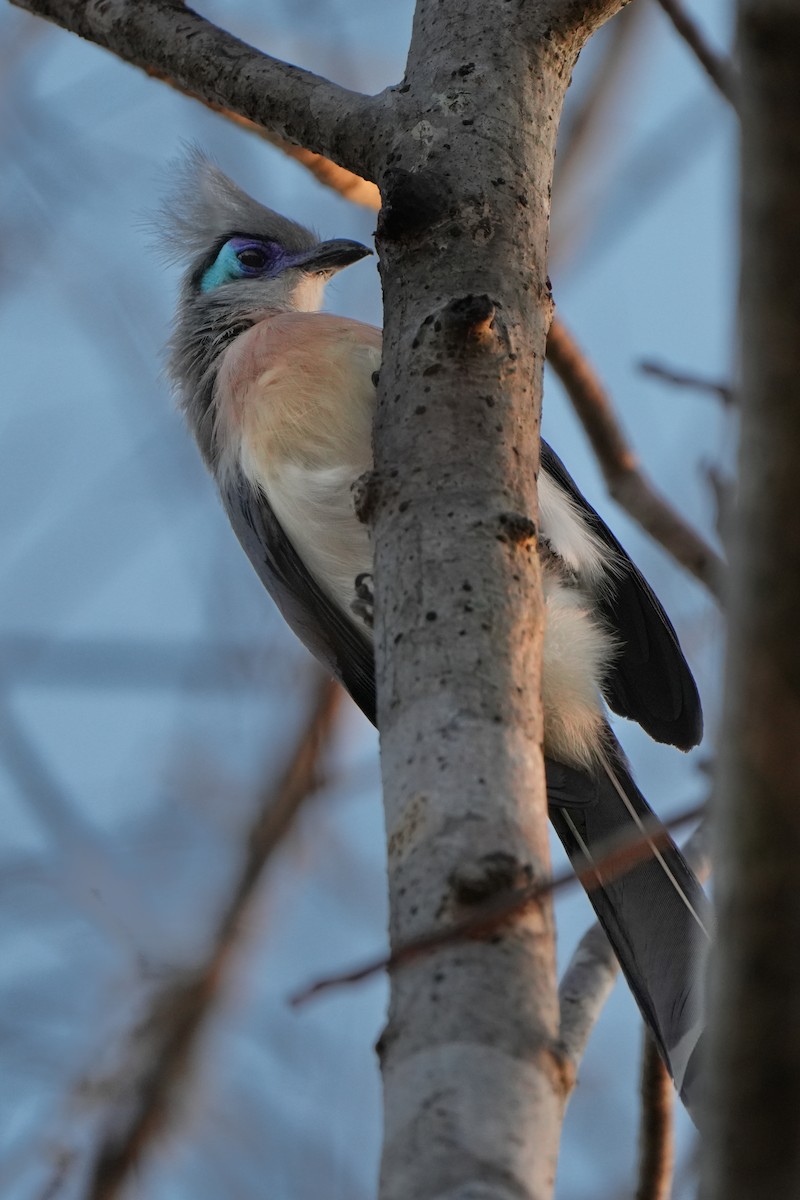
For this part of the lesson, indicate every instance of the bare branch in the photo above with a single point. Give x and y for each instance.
(620, 464)
(169, 40)
(163, 1044)
(656, 1138)
(719, 69)
(621, 856)
(583, 991)
(684, 379)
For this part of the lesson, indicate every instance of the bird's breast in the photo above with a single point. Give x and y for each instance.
(295, 399)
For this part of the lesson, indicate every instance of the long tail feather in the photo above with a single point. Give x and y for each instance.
(655, 915)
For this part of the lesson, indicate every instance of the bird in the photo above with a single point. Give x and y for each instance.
(280, 398)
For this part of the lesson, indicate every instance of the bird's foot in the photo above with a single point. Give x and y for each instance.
(364, 603)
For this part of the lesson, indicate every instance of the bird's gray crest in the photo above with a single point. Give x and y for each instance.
(204, 207)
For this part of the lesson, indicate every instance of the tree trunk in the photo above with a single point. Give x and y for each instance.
(753, 1115)
(474, 1087)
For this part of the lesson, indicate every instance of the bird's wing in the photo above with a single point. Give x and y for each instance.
(320, 624)
(649, 680)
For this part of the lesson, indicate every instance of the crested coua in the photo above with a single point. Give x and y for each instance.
(280, 399)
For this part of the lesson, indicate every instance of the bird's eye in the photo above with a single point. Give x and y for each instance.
(253, 258)
(240, 257)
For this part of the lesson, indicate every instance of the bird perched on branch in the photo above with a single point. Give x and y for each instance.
(280, 399)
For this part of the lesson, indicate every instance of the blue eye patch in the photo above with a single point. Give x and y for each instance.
(241, 258)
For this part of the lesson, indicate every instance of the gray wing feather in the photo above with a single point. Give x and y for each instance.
(319, 623)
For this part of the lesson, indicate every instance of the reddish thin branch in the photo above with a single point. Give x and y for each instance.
(656, 1134)
(620, 465)
(719, 69)
(620, 857)
(163, 1044)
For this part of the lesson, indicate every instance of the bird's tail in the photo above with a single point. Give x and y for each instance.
(655, 913)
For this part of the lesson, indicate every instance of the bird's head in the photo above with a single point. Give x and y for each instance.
(243, 261)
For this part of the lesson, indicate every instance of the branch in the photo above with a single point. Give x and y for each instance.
(719, 69)
(582, 993)
(621, 856)
(684, 379)
(620, 465)
(656, 1139)
(163, 1044)
(165, 38)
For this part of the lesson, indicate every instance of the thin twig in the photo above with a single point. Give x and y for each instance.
(656, 1135)
(723, 391)
(719, 69)
(617, 859)
(168, 1036)
(620, 465)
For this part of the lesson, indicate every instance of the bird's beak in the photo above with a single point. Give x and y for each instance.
(328, 257)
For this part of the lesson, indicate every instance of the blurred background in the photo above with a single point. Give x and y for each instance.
(150, 693)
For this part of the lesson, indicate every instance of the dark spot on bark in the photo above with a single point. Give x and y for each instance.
(420, 409)
(465, 70)
(433, 369)
(487, 876)
(413, 202)
(468, 121)
(403, 505)
(466, 586)
(430, 616)
(366, 495)
(517, 528)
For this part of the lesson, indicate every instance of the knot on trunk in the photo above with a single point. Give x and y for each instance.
(488, 876)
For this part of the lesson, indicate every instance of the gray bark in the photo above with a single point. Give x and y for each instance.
(753, 1111)
(474, 1080)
